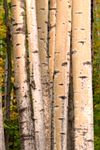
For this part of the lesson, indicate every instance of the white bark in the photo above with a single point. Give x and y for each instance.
(82, 74)
(52, 37)
(20, 71)
(35, 75)
(61, 73)
(42, 21)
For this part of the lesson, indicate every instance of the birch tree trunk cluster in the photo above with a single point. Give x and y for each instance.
(52, 58)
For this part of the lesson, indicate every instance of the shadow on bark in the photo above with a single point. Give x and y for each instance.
(70, 132)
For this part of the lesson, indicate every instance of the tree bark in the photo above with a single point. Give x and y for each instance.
(42, 21)
(2, 140)
(52, 37)
(35, 75)
(61, 74)
(20, 72)
(8, 66)
(52, 46)
(82, 75)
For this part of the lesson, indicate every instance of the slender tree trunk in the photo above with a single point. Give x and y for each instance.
(7, 73)
(42, 20)
(7, 87)
(8, 66)
(2, 140)
(52, 46)
(52, 38)
(35, 75)
(20, 71)
(61, 73)
(82, 74)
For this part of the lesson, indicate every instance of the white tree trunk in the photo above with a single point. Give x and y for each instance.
(35, 75)
(82, 75)
(61, 73)
(20, 71)
(52, 38)
(42, 21)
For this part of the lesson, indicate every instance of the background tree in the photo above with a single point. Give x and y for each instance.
(2, 140)
(8, 70)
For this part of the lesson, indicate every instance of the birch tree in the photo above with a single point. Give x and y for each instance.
(82, 74)
(61, 73)
(52, 46)
(35, 75)
(20, 71)
(52, 37)
(42, 22)
(8, 66)
(2, 140)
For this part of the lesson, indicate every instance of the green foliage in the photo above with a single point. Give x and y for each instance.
(96, 75)
(12, 128)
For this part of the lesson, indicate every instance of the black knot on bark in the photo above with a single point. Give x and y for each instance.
(64, 64)
(63, 97)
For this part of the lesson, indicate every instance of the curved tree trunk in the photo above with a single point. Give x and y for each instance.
(42, 21)
(82, 74)
(35, 75)
(61, 73)
(20, 71)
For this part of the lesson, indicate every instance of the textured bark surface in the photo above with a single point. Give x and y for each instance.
(70, 128)
(8, 64)
(20, 72)
(8, 67)
(82, 74)
(52, 38)
(2, 140)
(52, 46)
(35, 75)
(42, 21)
(61, 73)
